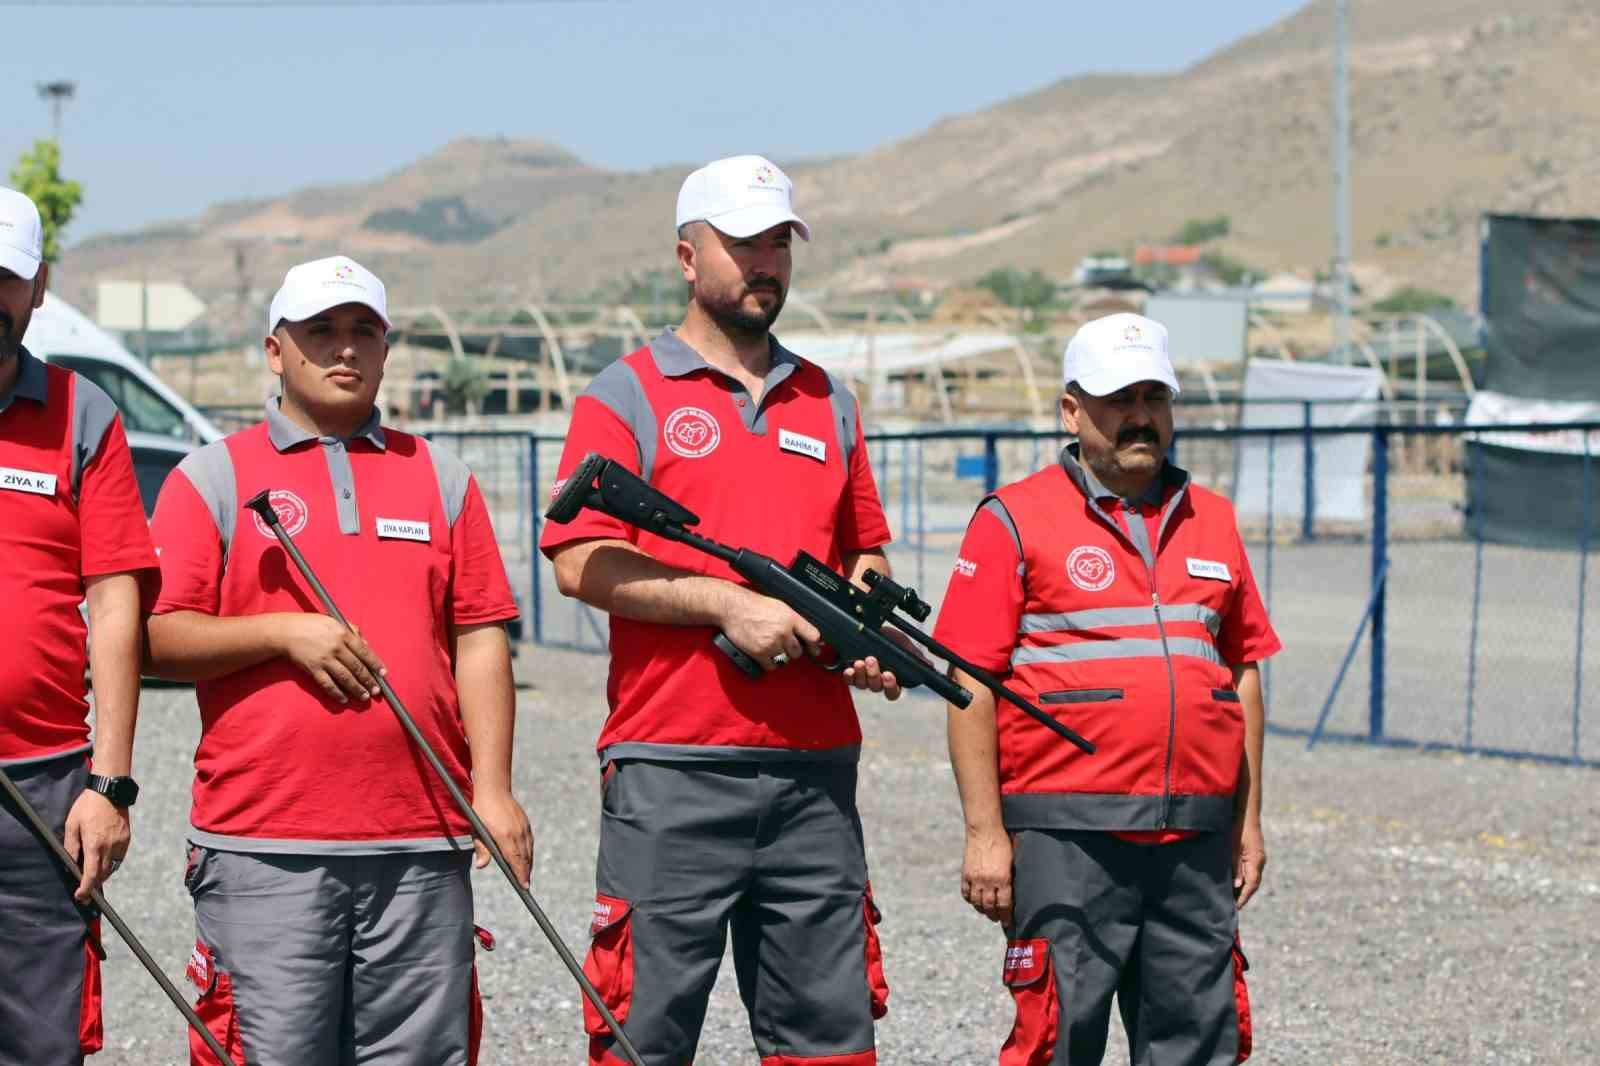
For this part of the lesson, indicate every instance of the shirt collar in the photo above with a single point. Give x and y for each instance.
(285, 434)
(32, 383)
(1171, 476)
(675, 358)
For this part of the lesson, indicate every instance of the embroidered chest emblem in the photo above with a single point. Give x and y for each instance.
(292, 512)
(1091, 568)
(691, 432)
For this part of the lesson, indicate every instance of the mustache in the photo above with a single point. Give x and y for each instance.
(1139, 435)
(7, 323)
(770, 284)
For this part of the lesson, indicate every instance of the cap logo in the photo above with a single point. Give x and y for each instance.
(292, 513)
(1131, 333)
(692, 432)
(765, 175)
(1090, 568)
(342, 272)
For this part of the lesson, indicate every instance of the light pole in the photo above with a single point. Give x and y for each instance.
(1341, 183)
(56, 94)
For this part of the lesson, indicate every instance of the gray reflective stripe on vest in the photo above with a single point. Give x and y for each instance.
(1097, 650)
(1110, 617)
(92, 415)
(618, 388)
(210, 471)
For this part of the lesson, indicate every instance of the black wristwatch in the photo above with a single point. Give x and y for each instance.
(121, 791)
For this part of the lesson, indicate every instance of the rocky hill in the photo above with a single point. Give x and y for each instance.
(1459, 106)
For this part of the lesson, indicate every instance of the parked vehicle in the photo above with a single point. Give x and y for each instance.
(59, 333)
(155, 457)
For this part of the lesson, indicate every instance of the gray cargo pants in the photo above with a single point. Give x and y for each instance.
(49, 946)
(1152, 924)
(335, 960)
(772, 850)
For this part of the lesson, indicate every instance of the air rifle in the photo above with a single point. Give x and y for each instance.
(850, 619)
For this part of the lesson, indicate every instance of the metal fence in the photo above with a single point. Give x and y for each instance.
(1401, 622)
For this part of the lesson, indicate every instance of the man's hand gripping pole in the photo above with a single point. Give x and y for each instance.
(850, 620)
(43, 832)
(261, 504)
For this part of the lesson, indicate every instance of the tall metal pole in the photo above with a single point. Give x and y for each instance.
(56, 94)
(1341, 183)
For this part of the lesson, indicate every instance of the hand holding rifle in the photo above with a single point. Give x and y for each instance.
(847, 618)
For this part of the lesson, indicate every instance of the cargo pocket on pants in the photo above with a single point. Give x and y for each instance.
(877, 984)
(475, 1007)
(91, 1031)
(1241, 1000)
(609, 964)
(215, 1007)
(1032, 980)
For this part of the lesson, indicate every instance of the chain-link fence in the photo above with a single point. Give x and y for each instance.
(1432, 584)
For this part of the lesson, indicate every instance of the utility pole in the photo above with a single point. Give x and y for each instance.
(1341, 183)
(56, 94)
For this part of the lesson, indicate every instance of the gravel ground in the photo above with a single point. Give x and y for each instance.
(1418, 908)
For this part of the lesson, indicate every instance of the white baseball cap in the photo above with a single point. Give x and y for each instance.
(311, 288)
(741, 196)
(1113, 352)
(21, 234)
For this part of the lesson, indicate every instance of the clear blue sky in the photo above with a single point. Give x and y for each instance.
(179, 107)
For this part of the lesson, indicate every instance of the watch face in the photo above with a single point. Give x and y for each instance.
(121, 791)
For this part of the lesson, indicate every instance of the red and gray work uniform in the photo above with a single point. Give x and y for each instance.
(1123, 617)
(69, 510)
(329, 868)
(727, 801)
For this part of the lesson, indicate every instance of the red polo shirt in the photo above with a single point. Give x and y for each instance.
(781, 473)
(397, 530)
(69, 510)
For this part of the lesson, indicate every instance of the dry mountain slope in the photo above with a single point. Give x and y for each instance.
(1458, 107)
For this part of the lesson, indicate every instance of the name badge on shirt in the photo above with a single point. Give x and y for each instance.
(790, 441)
(402, 529)
(1207, 568)
(27, 481)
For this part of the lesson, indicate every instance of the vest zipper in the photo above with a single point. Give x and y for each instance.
(1172, 715)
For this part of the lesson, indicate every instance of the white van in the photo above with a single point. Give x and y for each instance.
(61, 334)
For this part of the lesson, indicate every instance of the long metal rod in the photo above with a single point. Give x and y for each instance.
(261, 505)
(111, 915)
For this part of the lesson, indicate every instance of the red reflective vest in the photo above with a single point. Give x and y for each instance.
(1124, 650)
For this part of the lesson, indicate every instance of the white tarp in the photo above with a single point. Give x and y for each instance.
(1344, 396)
(854, 355)
(1494, 408)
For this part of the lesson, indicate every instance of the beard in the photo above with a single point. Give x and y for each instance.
(727, 309)
(10, 335)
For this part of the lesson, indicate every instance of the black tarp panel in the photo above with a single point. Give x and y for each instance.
(1535, 499)
(1541, 307)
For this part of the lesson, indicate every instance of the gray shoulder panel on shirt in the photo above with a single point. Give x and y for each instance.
(619, 388)
(844, 415)
(92, 415)
(998, 509)
(454, 477)
(210, 471)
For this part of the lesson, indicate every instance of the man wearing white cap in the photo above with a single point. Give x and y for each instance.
(729, 804)
(329, 868)
(72, 527)
(1117, 594)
